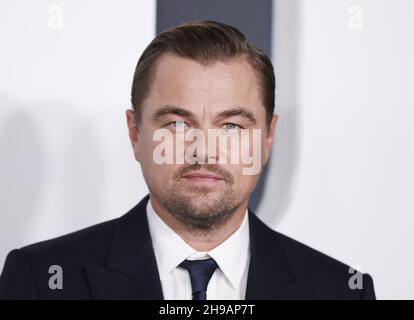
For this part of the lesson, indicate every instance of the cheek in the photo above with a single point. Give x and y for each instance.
(249, 181)
(242, 182)
(159, 177)
(263, 151)
(144, 147)
(162, 175)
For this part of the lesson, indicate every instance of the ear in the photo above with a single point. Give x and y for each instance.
(132, 131)
(269, 137)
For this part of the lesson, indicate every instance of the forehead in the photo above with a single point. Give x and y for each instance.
(181, 81)
(184, 70)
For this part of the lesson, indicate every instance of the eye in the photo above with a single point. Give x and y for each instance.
(231, 126)
(178, 124)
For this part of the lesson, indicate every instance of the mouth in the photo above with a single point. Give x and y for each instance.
(203, 177)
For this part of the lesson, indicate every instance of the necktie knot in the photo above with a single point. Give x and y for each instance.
(200, 274)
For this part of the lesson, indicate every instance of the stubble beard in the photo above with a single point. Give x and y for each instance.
(199, 208)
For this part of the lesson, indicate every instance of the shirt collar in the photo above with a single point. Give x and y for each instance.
(170, 249)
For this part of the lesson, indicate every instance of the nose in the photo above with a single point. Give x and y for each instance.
(202, 149)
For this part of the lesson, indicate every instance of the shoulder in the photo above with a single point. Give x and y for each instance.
(303, 258)
(326, 275)
(88, 244)
(27, 270)
(297, 254)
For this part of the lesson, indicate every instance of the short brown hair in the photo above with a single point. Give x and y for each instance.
(204, 42)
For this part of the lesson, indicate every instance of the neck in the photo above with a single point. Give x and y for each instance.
(201, 241)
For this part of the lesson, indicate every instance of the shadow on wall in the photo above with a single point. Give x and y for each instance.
(22, 173)
(273, 193)
(58, 167)
(83, 180)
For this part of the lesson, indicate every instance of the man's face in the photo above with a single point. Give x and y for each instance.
(186, 95)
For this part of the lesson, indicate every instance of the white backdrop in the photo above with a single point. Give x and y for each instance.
(66, 73)
(341, 172)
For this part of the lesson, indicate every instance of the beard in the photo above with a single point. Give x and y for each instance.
(200, 208)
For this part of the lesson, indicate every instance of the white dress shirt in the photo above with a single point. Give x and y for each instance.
(232, 256)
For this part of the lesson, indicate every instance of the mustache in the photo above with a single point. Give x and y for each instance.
(213, 168)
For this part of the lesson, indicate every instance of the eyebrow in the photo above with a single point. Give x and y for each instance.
(168, 109)
(237, 111)
(180, 111)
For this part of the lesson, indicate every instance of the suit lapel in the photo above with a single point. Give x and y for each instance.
(269, 274)
(131, 270)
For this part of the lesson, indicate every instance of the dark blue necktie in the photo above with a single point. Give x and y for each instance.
(200, 273)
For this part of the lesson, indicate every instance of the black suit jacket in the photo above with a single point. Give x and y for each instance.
(115, 260)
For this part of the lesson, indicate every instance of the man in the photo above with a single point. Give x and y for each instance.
(193, 236)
